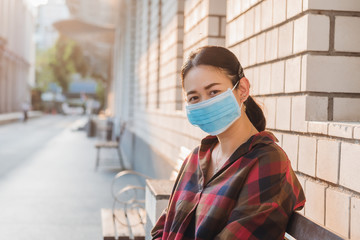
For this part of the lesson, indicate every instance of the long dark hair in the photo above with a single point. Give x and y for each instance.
(225, 60)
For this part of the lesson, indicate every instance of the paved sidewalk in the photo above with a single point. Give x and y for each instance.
(17, 116)
(56, 194)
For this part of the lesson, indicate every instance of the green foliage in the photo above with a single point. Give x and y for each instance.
(58, 63)
(100, 93)
(44, 74)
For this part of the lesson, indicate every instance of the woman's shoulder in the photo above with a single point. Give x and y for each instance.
(272, 151)
(267, 151)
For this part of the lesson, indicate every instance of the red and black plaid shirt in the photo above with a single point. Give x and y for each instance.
(251, 197)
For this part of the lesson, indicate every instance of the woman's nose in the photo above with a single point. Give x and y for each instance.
(204, 98)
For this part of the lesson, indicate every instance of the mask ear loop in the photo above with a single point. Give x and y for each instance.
(242, 103)
(235, 85)
(241, 75)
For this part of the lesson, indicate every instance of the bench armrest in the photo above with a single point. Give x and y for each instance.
(133, 199)
(125, 173)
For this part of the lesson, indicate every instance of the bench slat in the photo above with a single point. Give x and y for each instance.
(137, 229)
(302, 228)
(142, 213)
(107, 145)
(108, 229)
(122, 230)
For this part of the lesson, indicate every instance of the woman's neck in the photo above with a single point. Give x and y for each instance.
(234, 136)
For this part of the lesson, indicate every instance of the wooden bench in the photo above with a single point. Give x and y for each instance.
(123, 224)
(130, 221)
(111, 145)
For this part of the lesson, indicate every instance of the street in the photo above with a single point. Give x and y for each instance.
(48, 186)
(19, 141)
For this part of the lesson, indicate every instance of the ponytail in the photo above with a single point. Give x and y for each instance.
(255, 114)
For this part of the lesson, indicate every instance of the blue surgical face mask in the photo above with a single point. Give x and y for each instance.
(216, 114)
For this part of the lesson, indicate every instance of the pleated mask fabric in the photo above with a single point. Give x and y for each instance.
(216, 114)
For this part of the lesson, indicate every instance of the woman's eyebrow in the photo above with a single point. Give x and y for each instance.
(206, 88)
(190, 92)
(211, 85)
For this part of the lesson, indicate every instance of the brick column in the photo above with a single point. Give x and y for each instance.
(153, 53)
(142, 68)
(171, 54)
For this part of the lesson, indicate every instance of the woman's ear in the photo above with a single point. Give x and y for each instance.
(244, 88)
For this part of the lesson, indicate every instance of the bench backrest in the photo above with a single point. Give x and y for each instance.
(184, 152)
(302, 228)
(122, 131)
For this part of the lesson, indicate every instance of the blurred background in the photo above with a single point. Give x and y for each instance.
(54, 71)
(73, 72)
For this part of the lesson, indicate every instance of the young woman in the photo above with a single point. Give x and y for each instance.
(238, 184)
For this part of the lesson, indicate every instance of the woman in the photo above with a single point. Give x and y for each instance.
(238, 184)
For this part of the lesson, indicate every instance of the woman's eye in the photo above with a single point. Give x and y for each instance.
(192, 99)
(214, 92)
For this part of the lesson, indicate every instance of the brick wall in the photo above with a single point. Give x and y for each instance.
(159, 118)
(171, 54)
(204, 24)
(302, 58)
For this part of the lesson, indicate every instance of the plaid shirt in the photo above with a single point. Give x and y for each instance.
(250, 197)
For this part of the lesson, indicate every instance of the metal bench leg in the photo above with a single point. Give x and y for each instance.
(120, 158)
(97, 159)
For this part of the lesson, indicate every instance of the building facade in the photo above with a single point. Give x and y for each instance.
(47, 14)
(302, 58)
(16, 54)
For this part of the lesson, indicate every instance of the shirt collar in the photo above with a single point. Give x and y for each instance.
(263, 137)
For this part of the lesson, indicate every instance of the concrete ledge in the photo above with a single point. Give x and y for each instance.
(160, 188)
(17, 116)
(157, 194)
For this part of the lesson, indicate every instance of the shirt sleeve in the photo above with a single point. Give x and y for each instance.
(157, 231)
(270, 194)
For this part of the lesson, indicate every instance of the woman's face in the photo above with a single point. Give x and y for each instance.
(204, 82)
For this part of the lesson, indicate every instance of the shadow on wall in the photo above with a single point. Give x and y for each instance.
(139, 156)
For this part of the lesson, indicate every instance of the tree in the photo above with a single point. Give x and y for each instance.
(57, 64)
